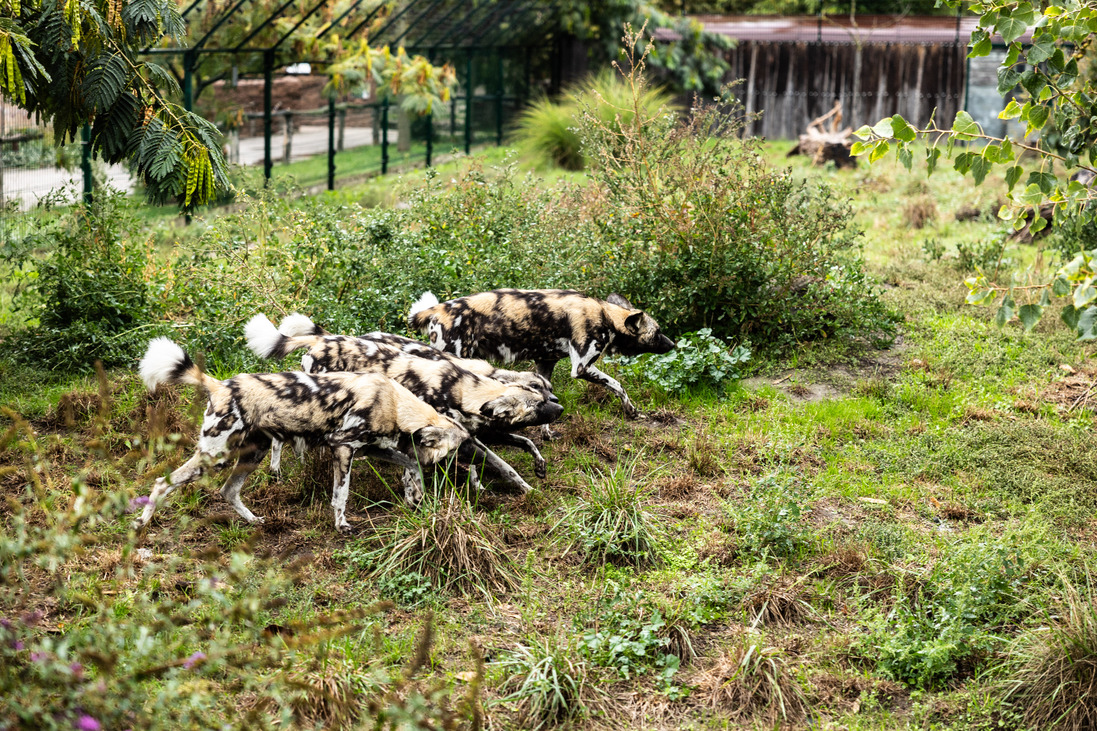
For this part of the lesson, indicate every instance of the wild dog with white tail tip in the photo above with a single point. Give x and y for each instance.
(542, 325)
(349, 412)
(487, 408)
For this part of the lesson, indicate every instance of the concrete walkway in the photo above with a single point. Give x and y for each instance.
(29, 185)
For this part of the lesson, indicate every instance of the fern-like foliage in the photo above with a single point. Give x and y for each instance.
(75, 62)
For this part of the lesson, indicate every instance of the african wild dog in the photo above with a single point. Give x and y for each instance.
(544, 326)
(350, 412)
(488, 408)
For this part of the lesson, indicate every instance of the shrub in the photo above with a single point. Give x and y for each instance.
(698, 359)
(699, 231)
(609, 524)
(769, 522)
(91, 291)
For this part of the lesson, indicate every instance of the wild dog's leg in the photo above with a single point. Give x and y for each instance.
(594, 375)
(189, 471)
(540, 466)
(251, 456)
(495, 462)
(545, 368)
(412, 477)
(276, 457)
(342, 457)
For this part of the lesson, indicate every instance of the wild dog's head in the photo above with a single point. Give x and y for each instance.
(637, 331)
(519, 406)
(434, 443)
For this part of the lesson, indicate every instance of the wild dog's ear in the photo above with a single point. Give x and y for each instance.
(506, 407)
(634, 322)
(616, 299)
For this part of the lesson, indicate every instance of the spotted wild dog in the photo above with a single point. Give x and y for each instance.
(362, 413)
(489, 409)
(542, 325)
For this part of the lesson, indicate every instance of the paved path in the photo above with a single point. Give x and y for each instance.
(31, 185)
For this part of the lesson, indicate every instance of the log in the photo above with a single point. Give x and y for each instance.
(823, 140)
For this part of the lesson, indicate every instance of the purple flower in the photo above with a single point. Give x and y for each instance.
(18, 645)
(5, 623)
(38, 657)
(87, 723)
(77, 670)
(32, 618)
(136, 503)
(194, 660)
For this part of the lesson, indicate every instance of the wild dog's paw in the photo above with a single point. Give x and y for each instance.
(257, 520)
(548, 434)
(540, 468)
(345, 528)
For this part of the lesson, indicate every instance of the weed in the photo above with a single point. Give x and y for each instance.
(699, 358)
(609, 524)
(769, 523)
(548, 682)
(933, 248)
(987, 254)
(234, 536)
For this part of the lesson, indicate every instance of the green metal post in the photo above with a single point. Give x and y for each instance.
(85, 161)
(499, 99)
(268, 73)
(331, 144)
(188, 80)
(385, 135)
(468, 104)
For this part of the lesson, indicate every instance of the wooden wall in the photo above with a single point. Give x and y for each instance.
(795, 82)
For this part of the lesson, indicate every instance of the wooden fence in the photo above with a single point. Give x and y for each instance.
(794, 82)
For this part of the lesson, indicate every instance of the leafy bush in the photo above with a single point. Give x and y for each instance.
(87, 290)
(698, 359)
(700, 232)
(987, 254)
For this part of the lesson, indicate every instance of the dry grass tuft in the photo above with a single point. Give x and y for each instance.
(703, 455)
(444, 541)
(920, 212)
(676, 488)
(782, 603)
(1053, 673)
(753, 683)
(326, 697)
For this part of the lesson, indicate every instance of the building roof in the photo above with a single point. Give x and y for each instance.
(840, 29)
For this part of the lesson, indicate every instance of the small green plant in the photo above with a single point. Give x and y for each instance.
(409, 590)
(933, 248)
(548, 681)
(986, 254)
(947, 626)
(609, 524)
(769, 523)
(698, 359)
(631, 636)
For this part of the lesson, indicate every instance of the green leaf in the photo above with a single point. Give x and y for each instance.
(933, 154)
(1039, 223)
(865, 132)
(1030, 315)
(965, 127)
(1012, 110)
(1070, 316)
(981, 47)
(884, 128)
(980, 296)
(1011, 28)
(1084, 293)
(860, 148)
(1037, 116)
(1005, 311)
(902, 130)
(1007, 80)
(979, 168)
(1041, 50)
(1013, 174)
(1060, 287)
(879, 151)
(906, 157)
(1032, 196)
(1045, 298)
(962, 163)
(1087, 324)
(1013, 55)
(1045, 181)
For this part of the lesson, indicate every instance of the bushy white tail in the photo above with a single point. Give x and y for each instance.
(263, 338)
(425, 302)
(295, 325)
(166, 362)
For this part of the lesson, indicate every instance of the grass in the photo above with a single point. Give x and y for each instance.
(809, 538)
